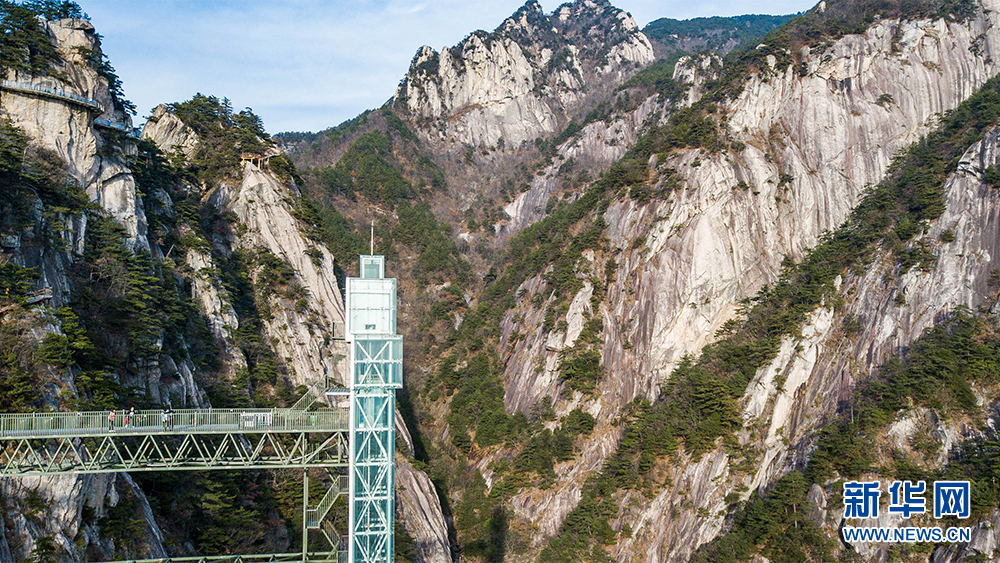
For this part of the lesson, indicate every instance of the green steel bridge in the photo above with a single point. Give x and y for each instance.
(61, 443)
(315, 433)
(85, 442)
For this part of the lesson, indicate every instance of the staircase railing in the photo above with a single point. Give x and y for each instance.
(315, 516)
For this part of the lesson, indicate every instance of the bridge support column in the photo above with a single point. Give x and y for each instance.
(305, 514)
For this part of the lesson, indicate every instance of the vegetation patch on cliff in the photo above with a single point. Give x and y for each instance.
(222, 136)
(25, 45)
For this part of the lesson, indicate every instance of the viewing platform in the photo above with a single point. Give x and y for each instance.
(311, 557)
(202, 421)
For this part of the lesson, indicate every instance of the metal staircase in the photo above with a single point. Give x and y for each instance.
(315, 515)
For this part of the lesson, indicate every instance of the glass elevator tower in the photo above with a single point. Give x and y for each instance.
(376, 354)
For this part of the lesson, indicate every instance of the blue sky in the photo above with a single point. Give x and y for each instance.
(305, 65)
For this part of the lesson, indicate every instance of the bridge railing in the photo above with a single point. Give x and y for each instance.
(51, 424)
(317, 557)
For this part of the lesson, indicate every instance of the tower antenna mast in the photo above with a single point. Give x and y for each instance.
(372, 252)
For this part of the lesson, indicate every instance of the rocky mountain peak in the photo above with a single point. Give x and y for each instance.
(527, 78)
(529, 15)
(592, 16)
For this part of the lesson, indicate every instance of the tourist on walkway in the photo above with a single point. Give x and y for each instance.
(111, 420)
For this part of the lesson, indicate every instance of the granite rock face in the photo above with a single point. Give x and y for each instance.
(70, 130)
(419, 510)
(809, 144)
(54, 507)
(299, 329)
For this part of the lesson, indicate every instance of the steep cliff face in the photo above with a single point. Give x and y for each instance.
(810, 141)
(527, 77)
(800, 391)
(715, 244)
(596, 147)
(170, 133)
(420, 512)
(818, 370)
(70, 130)
(300, 328)
(64, 510)
(304, 319)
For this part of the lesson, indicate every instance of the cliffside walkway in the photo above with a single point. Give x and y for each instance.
(62, 95)
(130, 132)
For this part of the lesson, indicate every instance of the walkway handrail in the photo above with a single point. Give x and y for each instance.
(132, 132)
(208, 421)
(312, 393)
(112, 125)
(332, 535)
(33, 88)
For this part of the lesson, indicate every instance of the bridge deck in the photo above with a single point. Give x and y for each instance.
(315, 557)
(146, 422)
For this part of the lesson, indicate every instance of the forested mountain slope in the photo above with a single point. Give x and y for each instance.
(715, 34)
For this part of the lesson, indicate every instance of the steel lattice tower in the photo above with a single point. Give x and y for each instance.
(376, 371)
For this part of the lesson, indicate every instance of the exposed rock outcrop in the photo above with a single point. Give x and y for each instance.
(819, 368)
(418, 505)
(65, 509)
(69, 129)
(300, 329)
(169, 133)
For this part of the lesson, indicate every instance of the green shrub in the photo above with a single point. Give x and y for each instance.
(582, 370)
